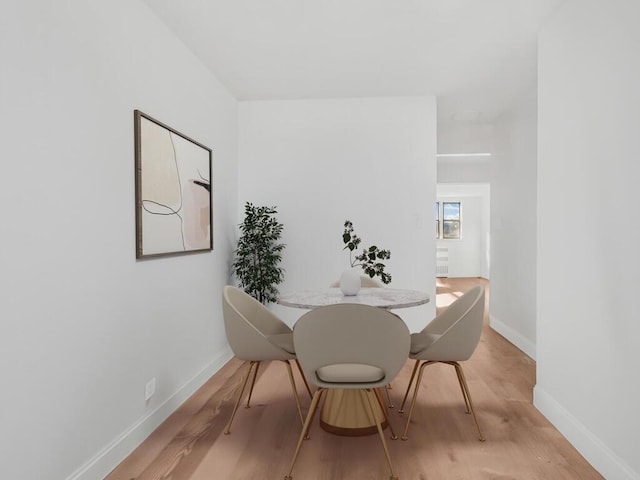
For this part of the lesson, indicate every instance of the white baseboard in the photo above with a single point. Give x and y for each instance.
(515, 337)
(109, 457)
(590, 447)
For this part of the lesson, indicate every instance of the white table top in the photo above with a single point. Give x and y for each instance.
(377, 297)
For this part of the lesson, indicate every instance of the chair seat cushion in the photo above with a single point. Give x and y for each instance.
(283, 340)
(350, 373)
(422, 340)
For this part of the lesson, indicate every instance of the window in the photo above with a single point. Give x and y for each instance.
(450, 215)
(451, 220)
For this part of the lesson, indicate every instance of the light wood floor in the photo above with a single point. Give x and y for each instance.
(521, 444)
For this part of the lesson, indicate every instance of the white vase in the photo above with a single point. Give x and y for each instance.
(350, 281)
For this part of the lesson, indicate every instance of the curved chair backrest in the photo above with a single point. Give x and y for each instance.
(351, 334)
(247, 323)
(456, 330)
(365, 281)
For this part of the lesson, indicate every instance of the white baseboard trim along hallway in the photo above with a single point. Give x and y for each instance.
(603, 459)
(523, 343)
(117, 450)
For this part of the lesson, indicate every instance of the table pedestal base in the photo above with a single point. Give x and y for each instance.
(346, 412)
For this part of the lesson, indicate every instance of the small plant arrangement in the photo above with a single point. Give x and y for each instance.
(369, 258)
(259, 252)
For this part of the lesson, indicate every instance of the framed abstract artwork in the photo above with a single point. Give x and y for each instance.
(173, 191)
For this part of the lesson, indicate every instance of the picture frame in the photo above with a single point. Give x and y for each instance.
(173, 191)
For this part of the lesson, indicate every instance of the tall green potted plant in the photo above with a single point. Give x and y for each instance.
(259, 252)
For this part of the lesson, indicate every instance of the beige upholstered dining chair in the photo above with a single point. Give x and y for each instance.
(367, 282)
(350, 346)
(449, 338)
(255, 335)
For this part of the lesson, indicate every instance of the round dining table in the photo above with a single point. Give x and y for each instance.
(389, 298)
(344, 411)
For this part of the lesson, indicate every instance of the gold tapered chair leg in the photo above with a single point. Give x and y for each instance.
(304, 379)
(253, 383)
(415, 396)
(406, 394)
(464, 392)
(295, 390)
(466, 388)
(306, 437)
(305, 428)
(384, 412)
(227, 431)
(386, 390)
(369, 394)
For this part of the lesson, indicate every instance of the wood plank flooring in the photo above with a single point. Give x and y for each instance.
(521, 444)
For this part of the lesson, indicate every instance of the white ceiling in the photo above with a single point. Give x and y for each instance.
(476, 56)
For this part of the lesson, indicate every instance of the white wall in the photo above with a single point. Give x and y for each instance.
(469, 255)
(466, 169)
(324, 161)
(589, 231)
(513, 225)
(84, 325)
(465, 136)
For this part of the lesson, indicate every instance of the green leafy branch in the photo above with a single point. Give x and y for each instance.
(370, 257)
